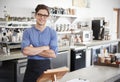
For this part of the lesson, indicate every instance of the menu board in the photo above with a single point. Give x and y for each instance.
(80, 3)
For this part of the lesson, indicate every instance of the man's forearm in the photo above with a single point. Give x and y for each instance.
(48, 53)
(30, 50)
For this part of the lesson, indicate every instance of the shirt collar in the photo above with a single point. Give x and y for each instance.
(39, 30)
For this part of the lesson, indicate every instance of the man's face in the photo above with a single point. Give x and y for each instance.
(41, 17)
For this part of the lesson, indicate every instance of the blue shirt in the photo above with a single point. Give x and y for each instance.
(48, 37)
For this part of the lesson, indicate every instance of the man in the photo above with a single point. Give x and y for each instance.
(39, 44)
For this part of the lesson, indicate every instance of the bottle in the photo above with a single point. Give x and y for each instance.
(72, 40)
(5, 13)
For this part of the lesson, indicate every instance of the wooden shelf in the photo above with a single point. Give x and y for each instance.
(55, 17)
(64, 15)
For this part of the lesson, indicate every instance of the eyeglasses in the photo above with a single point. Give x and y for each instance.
(42, 15)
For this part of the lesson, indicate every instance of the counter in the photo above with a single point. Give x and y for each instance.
(94, 74)
(12, 55)
(18, 54)
(96, 42)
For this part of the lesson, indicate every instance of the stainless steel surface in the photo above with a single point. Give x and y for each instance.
(61, 60)
(12, 55)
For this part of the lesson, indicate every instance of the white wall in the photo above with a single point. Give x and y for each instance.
(104, 8)
(98, 8)
(25, 7)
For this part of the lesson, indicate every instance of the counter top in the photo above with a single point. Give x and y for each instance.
(78, 47)
(12, 55)
(18, 54)
(94, 74)
(96, 42)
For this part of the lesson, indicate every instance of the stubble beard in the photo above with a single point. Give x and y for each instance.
(41, 25)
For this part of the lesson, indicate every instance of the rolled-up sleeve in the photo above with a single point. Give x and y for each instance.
(53, 42)
(25, 40)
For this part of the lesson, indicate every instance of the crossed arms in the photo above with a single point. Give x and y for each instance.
(44, 51)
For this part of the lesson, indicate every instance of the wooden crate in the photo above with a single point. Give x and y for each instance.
(105, 64)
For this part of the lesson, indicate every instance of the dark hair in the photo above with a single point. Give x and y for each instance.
(42, 6)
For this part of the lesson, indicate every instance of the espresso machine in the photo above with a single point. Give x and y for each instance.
(98, 29)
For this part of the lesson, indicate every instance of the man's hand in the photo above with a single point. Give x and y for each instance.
(31, 50)
(48, 53)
